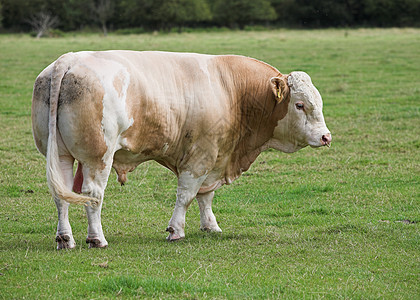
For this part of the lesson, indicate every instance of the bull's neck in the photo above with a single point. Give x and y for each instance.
(259, 113)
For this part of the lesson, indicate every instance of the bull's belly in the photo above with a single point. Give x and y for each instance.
(126, 161)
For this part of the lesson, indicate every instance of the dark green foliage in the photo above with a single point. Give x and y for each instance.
(332, 13)
(168, 14)
(232, 13)
(165, 14)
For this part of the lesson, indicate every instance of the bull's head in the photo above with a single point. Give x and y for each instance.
(304, 122)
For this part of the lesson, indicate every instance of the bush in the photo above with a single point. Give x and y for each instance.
(56, 33)
(149, 15)
(127, 31)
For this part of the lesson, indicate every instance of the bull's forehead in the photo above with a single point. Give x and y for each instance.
(302, 88)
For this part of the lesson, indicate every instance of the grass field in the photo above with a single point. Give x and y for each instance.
(321, 223)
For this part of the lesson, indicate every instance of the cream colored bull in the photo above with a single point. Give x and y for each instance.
(206, 118)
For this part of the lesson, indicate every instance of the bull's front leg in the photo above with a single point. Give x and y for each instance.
(207, 218)
(188, 186)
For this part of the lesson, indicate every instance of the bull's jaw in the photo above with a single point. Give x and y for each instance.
(290, 147)
(284, 146)
(286, 136)
(289, 137)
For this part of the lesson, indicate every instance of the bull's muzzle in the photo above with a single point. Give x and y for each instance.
(326, 140)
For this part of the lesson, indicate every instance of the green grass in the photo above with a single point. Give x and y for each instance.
(321, 223)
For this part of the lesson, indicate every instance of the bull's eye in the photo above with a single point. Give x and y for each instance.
(299, 105)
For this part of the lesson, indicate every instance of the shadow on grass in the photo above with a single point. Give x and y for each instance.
(196, 237)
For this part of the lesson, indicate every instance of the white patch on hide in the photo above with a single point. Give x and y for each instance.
(114, 117)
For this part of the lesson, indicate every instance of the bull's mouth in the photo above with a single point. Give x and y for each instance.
(326, 140)
(319, 145)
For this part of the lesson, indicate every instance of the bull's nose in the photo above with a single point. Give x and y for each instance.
(326, 139)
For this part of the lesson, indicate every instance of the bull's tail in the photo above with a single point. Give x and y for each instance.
(55, 178)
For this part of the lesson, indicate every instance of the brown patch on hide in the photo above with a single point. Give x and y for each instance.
(146, 133)
(80, 116)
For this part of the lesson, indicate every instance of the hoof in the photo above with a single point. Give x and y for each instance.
(96, 243)
(64, 241)
(173, 236)
(211, 229)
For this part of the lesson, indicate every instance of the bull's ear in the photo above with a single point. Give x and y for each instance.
(280, 88)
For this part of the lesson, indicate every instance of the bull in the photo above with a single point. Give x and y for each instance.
(204, 117)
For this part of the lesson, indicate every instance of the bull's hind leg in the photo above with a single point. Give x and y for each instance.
(207, 218)
(94, 184)
(95, 238)
(188, 187)
(64, 236)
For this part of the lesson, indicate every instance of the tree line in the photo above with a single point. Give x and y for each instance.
(70, 15)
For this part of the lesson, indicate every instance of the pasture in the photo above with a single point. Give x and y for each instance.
(320, 223)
